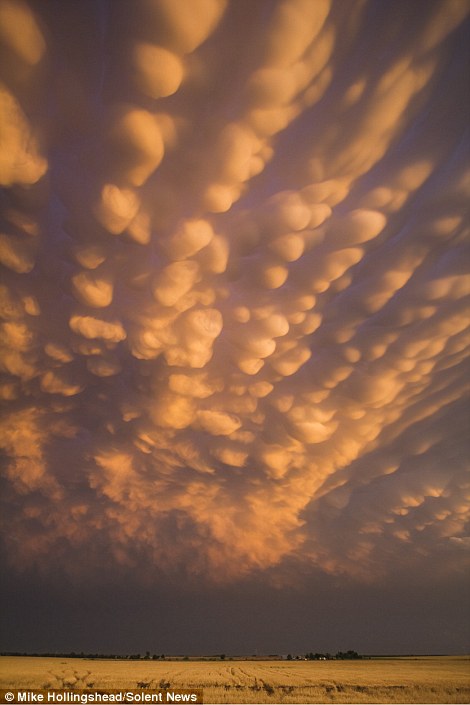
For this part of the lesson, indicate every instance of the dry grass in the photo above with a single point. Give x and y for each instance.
(419, 680)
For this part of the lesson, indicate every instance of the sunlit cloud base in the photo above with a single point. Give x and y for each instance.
(234, 294)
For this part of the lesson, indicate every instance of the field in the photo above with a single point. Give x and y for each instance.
(399, 680)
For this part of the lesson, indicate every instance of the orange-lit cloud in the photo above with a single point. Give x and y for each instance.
(235, 304)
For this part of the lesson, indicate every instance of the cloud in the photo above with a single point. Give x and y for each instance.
(234, 319)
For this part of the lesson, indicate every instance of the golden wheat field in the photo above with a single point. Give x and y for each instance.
(400, 680)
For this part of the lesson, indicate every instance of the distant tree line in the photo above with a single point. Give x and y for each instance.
(340, 656)
(82, 654)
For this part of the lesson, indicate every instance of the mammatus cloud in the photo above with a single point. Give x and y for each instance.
(234, 300)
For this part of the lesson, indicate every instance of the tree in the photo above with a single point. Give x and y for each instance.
(347, 655)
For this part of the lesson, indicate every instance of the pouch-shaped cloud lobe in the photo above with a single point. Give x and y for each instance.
(234, 298)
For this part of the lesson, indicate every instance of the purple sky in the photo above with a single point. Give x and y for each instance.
(234, 310)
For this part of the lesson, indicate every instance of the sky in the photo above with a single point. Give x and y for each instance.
(234, 310)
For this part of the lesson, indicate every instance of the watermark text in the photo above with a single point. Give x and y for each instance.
(102, 695)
